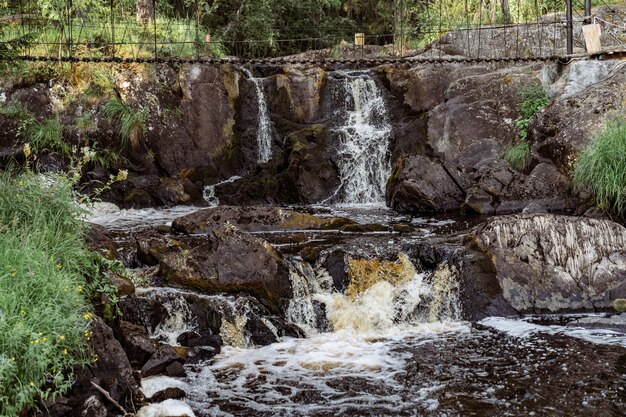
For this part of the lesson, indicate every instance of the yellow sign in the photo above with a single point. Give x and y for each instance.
(359, 39)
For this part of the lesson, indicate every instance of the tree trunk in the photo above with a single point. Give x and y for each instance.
(145, 11)
(506, 11)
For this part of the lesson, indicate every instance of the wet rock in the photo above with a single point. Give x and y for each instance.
(98, 240)
(164, 356)
(548, 263)
(176, 370)
(336, 264)
(171, 393)
(295, 94)
(253, 218)
(421, 184)
(152, 246)
(141, 191)
(196, 339)
(137, 344)
(111, 371)
(231, 261)
(123, 286)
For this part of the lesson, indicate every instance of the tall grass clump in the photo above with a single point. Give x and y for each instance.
(44, 312)
(601, 167)
(46, 135)
(534, 98)
(132, 121)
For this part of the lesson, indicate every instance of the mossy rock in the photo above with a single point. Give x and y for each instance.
(620, 305)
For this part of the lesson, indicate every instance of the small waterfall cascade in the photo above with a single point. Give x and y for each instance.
(209, 191)
(380, 295)
(361, 137)
(264, 128)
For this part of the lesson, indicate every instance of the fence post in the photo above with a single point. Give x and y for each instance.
(587, 12)
(570, 27)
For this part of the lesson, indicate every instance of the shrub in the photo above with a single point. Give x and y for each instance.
(44, 313)
(132, 121)
(601, 167)
(518, 155)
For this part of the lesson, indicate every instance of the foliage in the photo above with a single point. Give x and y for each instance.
(534, 98)
(46, 135)
(44, 314)
(518, 155)
(133, 122)
(601, 167)
(15, 110)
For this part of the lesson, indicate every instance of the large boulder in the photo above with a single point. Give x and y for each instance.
(231, 261)
(499, 189)
(549, 263)
(531, 263)
(419, 183)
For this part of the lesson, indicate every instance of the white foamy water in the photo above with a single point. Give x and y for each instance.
(209, 191)
(264, 127)
(523, 329)
(361, 139)
(114, 218)
(278, 379)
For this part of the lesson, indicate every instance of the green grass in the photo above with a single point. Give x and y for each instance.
(601, 167)
(44, 312)
(518, 155)
(46, 135)
(132, 122)
(15, 110)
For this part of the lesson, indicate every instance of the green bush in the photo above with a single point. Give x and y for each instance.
(44, 313)
(132, 121)
(601, 167)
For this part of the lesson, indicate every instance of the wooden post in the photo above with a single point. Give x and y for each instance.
(570, 27)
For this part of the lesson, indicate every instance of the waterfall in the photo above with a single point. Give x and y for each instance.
(264, 128)
(209, 191)
(362, 139)
(381, 295)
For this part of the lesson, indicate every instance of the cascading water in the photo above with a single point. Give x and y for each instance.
(264, 128)
(362, 139)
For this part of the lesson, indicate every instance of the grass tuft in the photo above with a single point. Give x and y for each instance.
(601, 167)
(46, 135)
(133, 122)
(518, 155)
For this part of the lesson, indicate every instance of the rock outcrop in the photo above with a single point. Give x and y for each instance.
(534, 263)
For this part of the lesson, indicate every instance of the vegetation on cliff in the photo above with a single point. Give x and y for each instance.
(601, 167)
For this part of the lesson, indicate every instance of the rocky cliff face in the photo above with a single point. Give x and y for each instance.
(203, 123)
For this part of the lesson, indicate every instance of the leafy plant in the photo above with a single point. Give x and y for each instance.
(132, 121)
(534, 98)
(601, 167)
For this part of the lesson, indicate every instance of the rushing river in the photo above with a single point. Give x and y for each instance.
(395, 349)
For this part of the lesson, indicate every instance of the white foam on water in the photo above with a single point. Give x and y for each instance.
(209, 191)
(154, 384)
(167, 408)
(272, 378)
(109, 216)
(521, 328)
